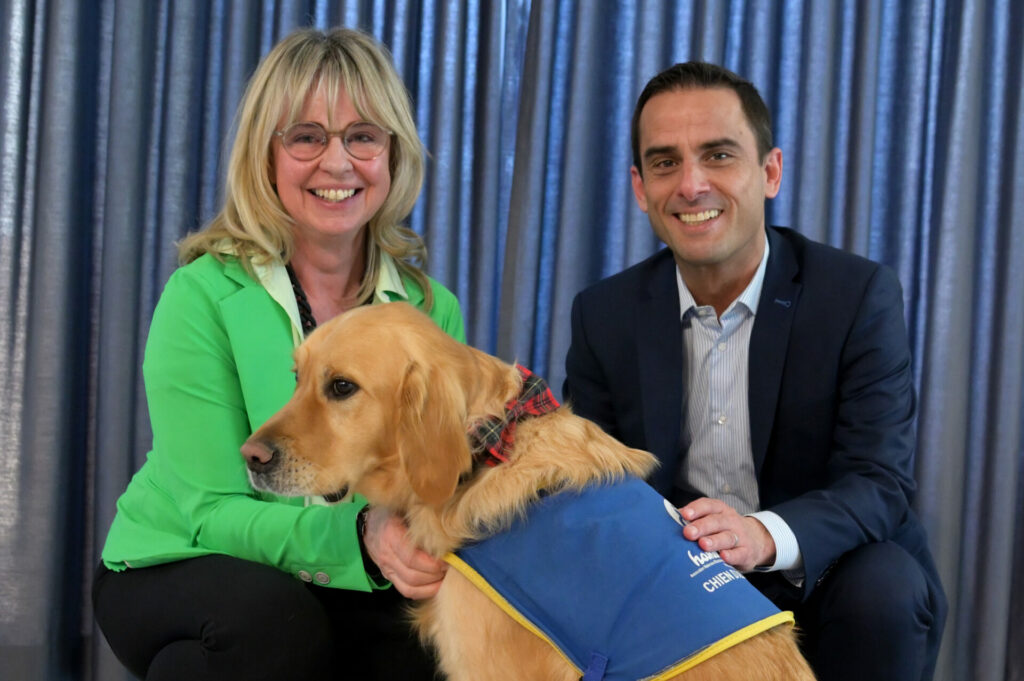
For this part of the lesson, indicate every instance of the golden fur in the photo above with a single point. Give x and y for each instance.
(382, 407)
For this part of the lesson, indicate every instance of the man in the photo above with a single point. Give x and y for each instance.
(771, 376)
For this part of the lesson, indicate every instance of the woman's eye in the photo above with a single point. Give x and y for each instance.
(340, 389)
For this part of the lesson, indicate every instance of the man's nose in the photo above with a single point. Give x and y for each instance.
(693, 181)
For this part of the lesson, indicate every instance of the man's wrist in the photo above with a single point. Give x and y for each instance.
(787, 550)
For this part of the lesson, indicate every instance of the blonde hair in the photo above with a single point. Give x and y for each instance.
(253, 223)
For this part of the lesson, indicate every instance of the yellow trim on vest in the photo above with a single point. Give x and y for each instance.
(479, 582)
(735, 638)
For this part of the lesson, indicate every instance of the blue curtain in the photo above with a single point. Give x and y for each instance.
(902, 129)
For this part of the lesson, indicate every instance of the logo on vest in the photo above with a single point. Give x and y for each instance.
(704, 561)
(721, 579)
(703, 558)
(673, 513)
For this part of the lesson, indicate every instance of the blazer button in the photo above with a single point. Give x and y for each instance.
(305, 576)
(322, 578)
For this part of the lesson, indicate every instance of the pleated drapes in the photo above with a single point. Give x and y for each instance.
(902, 130)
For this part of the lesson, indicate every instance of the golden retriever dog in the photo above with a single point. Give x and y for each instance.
(384, 406)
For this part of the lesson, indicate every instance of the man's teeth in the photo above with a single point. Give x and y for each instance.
(693, 218)
(334, 194)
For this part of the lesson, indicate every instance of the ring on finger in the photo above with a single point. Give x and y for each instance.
(735, 540)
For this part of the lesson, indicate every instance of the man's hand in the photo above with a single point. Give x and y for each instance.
(414, 572)
(741, 541)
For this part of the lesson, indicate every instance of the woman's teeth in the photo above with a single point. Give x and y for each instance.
(334, 195)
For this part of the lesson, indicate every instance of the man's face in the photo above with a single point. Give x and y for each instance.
(703, 185)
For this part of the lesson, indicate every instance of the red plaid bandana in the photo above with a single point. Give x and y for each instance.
(491, 437)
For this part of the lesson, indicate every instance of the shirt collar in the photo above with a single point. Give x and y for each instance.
(389, 280)
(749, 298)
(274, 278)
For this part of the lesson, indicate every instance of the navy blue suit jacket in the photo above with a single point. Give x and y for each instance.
(832, 402)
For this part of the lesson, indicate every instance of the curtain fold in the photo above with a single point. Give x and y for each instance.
(902, 129)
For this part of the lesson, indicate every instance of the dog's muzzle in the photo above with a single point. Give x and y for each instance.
(271, 469)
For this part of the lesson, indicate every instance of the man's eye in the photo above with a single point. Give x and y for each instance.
(662, 165)
(340, 389)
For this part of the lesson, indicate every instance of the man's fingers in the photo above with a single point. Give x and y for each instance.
(720, 541)
(742, 541)
(708, 517)
(701, 508)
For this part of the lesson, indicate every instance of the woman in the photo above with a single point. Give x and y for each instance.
(201, 577)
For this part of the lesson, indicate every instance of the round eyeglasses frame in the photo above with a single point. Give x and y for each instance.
(324, 137)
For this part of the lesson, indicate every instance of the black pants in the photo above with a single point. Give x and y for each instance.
(875, 615)
(218, 617)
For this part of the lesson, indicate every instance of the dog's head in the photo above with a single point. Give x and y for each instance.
(382, 405)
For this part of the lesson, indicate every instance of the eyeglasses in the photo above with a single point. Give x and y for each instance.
(306, 141)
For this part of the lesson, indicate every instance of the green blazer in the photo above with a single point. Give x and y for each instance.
(218, 363)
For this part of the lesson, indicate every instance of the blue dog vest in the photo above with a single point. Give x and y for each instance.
(605, 576)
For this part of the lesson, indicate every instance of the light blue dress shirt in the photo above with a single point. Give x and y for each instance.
(719, 461)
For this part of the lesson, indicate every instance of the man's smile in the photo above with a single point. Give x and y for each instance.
(695, 218)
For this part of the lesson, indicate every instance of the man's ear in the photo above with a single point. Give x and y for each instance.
(431, 432)
(638, 188)
(772, 173)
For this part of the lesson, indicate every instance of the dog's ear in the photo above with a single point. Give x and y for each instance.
(495, 383)
(431, 432)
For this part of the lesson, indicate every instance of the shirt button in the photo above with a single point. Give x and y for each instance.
(722, 419)
(305, 576)
(322, 578)
(726, 488)
(721, 347)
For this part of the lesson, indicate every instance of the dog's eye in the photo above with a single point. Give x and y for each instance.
(340, 389)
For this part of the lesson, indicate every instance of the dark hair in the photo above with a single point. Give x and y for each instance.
(697, 74)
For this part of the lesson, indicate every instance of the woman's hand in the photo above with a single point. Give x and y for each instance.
(414, 572)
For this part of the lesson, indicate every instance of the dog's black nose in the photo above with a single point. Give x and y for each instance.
(259, 456)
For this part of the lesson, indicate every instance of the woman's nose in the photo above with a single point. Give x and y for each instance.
(335, 157)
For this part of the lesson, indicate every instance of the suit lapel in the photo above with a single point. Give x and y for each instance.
(260, 334)
(660, 358)
(769, 339)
